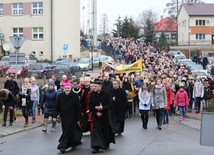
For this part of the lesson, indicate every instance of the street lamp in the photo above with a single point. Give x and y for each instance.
(2, 39)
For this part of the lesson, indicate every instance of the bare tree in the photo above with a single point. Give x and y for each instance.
(104, 29)
(145, 15)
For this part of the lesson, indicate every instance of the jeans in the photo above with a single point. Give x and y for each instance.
(166, 116)
(205, 105)
(34, 104)
(182, 110)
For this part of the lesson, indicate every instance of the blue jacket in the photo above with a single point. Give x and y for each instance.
(49, 100)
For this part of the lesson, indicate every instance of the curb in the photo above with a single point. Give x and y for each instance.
(21, 130)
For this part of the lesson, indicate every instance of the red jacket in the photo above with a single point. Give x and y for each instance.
(181, 98)
(169, 98)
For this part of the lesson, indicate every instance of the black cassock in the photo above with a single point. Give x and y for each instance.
(68, 106)
(118, 110)
(101, 134)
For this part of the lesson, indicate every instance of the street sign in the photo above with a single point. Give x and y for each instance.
(65, 47)
(17, 41)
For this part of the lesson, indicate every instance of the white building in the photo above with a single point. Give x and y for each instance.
(51, 27)
(196, 24)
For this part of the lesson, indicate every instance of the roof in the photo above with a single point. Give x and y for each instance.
(166, 25)
(199, 9)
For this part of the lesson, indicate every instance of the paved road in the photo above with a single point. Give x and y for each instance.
(174, 139)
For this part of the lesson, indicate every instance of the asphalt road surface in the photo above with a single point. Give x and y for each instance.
(173, 139)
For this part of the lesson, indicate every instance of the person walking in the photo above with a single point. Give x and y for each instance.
(34, 97)
(182, 101)
(145, 101)
(198, 93)
(160, 100)
(68, 107)
(99, 104)
(48, 104)
(8, 100)
(13, 87)
(25, 98)
(118, 110)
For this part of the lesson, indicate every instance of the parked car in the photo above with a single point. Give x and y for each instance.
(85, 63)
(201, 73)
(63, 69)
(49, 71)
(37, 70)
(76, 70)
(102, 59)
(195, 67)
(4, 66)
(187, 62)
(179, 57)
(20, 69)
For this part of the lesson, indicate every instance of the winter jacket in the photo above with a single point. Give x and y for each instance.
(181, 98)
(159, 97)
(49, 100)
(207, 93)
(145, 101)
(8, 98)
(169, 97)
(198, 90)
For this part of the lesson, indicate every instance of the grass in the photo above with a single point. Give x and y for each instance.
(82, 49)
(211, 105)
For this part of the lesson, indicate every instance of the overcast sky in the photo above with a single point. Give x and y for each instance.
(115, 8)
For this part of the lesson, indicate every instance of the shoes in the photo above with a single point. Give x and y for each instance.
(4, 124)
(159, 128)
(95, 151)
(62, 150)
(11, 124)
(44, 130)
(164, 122)
(52, 129)
(33, 120)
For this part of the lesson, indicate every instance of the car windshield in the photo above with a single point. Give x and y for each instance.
(62, 67)
(16, 67)
(202, 74)
(35, 67)
(180, 57)
(84, 61)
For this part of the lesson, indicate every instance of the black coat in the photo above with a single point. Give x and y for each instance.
(12, 86)
(118, 106)
(68, 106)
(107, 86)
(104, 98)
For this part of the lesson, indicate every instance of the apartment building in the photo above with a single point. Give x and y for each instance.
(51, 27)
(196, 24)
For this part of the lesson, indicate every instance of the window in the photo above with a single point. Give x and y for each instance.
(17, 9)
(1, 9)
(41, 53)
(200, 36)
(37, 8)
(200, 22)
(17, 31)
(38, 33)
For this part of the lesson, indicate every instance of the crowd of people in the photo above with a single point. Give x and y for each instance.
(101, 105)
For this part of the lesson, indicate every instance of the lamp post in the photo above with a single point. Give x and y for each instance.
(2, 39)
(17, 42)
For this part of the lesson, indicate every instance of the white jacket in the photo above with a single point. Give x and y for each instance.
(144, 101)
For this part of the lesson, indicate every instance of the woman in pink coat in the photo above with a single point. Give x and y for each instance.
(182, 101)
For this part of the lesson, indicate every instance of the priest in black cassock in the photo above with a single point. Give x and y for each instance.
(68, 106)
(118, 110)
(100, 104)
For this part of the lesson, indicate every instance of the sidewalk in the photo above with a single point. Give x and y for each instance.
(18, 126)
(192, 120)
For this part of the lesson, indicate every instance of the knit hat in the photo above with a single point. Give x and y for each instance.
(51, 82)
(67, 84)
